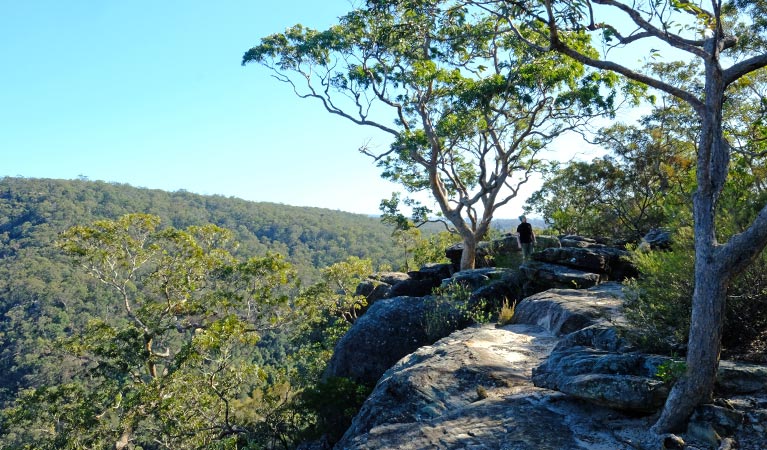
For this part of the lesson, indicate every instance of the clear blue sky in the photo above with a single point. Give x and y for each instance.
(152, 93)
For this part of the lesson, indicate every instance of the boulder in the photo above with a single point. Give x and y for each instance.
(657, 239)
(390, 329)
(563, 311)
(612, 262)
(623, 381)
(476, 278)
(420, 283)
(543, 276)
(412, 288)
(434, 272)
(378, 286)
(572, 240)
(741, 378)
(372, 290)
(390, 278)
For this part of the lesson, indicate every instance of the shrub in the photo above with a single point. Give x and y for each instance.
(658, 303)
(450, 309)
(506, 313)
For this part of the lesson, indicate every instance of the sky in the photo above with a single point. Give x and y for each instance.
(152, 94)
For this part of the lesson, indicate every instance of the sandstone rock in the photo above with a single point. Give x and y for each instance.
(433, 272)
(389, 330)
(372, 290)
(476, 278)
(499, 252)
(473, 389)
(547, 276)
(741, 378)
(579, 241)
(412, 288)
(390, 278)
(623, 381)
(430, 400)
(658, 239)
(563, 311)
(609, 261)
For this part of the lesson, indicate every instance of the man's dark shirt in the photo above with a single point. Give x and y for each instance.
(525, 231)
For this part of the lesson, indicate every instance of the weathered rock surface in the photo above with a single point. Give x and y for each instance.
(658, 239)
(389, 330)
(474, 390)
(624, 381)
(563, 311)
(544, 275)
(611, 262)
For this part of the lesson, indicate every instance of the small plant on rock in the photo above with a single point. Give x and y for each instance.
(507, 312)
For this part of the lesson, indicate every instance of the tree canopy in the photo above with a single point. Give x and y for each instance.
(468, 106)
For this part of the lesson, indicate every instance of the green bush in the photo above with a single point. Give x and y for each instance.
(334, 403)
(658, 303)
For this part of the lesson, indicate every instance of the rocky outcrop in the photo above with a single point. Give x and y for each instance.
(657, 239)
(498, 252)
(609, 262)
(474, 389)
(542, 276)
(389, 330)
(418, 283)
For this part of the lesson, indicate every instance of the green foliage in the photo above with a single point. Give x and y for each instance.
(450, 309)
(44, 298)
(658, 303)
(340, 282)
(334, 402)
(644, 184)
(468, 106)
(670, 371)
(181, 346)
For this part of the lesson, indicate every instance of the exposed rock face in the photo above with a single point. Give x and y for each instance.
(611, 263)
(378, 285)
(624, 381)
(658, 239)
(564, 311)
(473, 389)
(389, 330)
(544, 276)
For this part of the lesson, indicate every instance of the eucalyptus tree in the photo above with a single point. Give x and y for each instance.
(167, 367)
(467, 105)
(728, 39)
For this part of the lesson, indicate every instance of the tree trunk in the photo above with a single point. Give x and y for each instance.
(469, 254)
(705, 338)
(711, 275)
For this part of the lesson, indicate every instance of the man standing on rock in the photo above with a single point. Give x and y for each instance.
(525, 238)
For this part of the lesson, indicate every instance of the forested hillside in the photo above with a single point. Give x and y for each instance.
(34, 211)
(43, 296)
